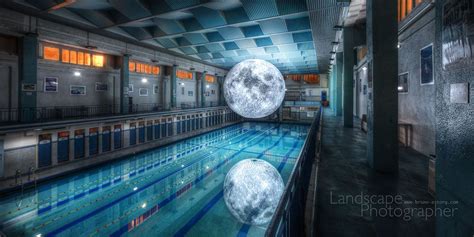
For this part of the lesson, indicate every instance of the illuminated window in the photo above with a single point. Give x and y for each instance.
(80, 58)
(210, 79)
(142, 67)
(131, 66)
(156, 70)
(181, 74)
(51, 53)
(406, 6)
(65, 56)
(87, 59)
(97, 60)
(73, 57)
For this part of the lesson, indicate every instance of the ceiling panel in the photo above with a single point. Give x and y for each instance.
(293, 34)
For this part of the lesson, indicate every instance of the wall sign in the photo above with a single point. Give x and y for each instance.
(143, 92)
(426, 62)
(28, 87)
(78, 90)
(459, 93)
(155, 89)
(130, 88)
(101, 86)
(50, 84)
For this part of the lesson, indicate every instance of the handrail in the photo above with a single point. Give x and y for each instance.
(288, 217)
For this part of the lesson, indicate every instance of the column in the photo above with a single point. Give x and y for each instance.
(203, 89)
(173, 86)
(338, 81)
(124, 81)
(382, 114)
(348, 74)
(2, 157)
(220, 100)
(28, 75)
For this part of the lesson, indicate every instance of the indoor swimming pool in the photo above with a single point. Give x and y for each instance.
(175, 190)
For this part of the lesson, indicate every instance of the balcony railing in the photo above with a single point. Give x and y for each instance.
(46, 114)
(288, 219)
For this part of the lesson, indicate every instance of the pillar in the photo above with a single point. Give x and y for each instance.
(124, 81)
(348, 77)
(2, 157)
(173, 86)
(338, 86)
(220, 100)
(203, 89)
(382, 113)
(28, 64)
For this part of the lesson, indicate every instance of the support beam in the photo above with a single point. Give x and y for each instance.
(124, 81)
(28, 75)
(338, 86)
(382, 114)
(2, 157)
(203, 89)
(173, 86)
(220, 100)
(348, 73)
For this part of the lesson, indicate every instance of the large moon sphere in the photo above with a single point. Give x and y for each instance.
(254, 88)
(252, 190)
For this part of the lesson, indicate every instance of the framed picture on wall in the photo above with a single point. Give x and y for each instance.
(426, 62)
(50, 84)
(403, 83)
(143, 92)
(190, 93)
(130, 88)
(78, 90)
(28, 87)
(155, 89)
(101, 86)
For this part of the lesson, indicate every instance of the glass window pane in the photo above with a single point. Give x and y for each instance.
(87, 59)
(131, 66)
(73, 57)
(51, 53)
(98, 60)
(80, 58)
(65, 56)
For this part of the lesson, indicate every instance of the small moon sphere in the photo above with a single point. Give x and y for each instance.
(252, 190)
(254, 88)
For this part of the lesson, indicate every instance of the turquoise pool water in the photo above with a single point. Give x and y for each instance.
(174, 190)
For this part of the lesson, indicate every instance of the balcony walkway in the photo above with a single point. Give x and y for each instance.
(344, 170)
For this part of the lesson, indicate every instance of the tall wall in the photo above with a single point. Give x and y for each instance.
(417, 106)
(454, 113)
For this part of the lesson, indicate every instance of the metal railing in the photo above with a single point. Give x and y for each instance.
(54, 113)
(288, 219)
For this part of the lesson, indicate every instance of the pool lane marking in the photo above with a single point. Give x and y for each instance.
(106, 206)
(184, 229)
(108, 181)
(246, 227)
(232, 128)
(201, 213)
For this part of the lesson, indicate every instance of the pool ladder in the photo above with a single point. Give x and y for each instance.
(19, 182)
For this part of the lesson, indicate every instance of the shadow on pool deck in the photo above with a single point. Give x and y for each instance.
(344, 170)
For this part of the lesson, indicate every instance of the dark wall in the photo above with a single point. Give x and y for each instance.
(454, 125)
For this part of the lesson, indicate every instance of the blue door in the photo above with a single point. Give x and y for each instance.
(149, 132)
(163, 130)
(141, 133)
(178, 127)
(44, 150)
(106, 138)
(133, 135)
(117, 136)
(79, 144)
(93, 141)
(170, 129)
(63, 146)
(157, 131)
